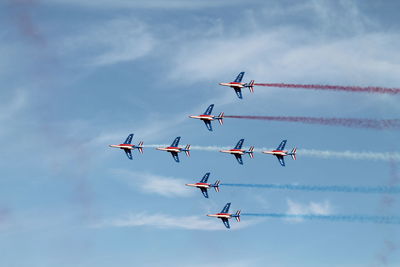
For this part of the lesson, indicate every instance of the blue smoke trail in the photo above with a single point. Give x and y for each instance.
(334, 218)
(328, 188)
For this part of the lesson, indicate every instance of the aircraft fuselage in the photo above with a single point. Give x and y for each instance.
(276, 152)
(233, 84)
(170, 149)
(200, 185)
(124, 146)
(221, 215)
(203, 117)
(234, 151)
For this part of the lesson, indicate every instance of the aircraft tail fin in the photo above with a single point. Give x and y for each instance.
(140, 147)
(293, 153)
(237, 215)
(216, 185)
(251, 152)
(187, 150)
(221, 118)
(250, 85)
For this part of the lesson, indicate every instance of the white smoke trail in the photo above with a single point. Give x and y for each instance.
(325, 154)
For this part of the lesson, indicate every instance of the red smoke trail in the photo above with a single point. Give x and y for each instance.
(22, 13)
(369, 89)
(347, 122)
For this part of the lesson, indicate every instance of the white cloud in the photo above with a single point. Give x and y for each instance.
(117, 40)
(165, 186)
(167, 221)
(296, 208)
(156, 184)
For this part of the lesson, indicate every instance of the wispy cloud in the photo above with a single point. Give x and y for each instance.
(317, 208)
(167, 221)
(155, 184)
(118, 40)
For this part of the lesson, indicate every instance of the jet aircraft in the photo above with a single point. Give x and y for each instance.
(237, 85)
(224, 215)
(238, 151)
(280, 153)
(127, 147)
(174, 149)
(204, 186)
(208, 118)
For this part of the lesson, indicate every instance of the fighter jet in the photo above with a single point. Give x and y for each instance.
(280, 153)
(174, 149)
(127, 147)
(204, 186)
(208, 118)
(237, 85)
(238, 151)
(225, 216)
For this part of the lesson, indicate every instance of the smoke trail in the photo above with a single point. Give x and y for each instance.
(334, 218)
(325, 154)
(365, 155)
(346, 122)
(368, 89)
(22, 12)
(321, 188)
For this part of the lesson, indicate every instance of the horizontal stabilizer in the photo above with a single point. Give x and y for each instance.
(220, 118)
(216, 185)
(251, 152)
(140, 147)
(187, 150)
(293, 153)
(250, 85)
(237, 215)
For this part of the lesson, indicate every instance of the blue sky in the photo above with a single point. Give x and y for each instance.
(77, 76)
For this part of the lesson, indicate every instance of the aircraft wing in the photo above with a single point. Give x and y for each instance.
(282, 145)
(128, 139)
(208, 125)
(205, 178)
(209, 110)
(238, 92)
(281, 160)
(226, 208)
(176, 142)
(128, 153)
(239, 159)
(239, 144)
(239, 77)
(226, 222)
(205, 192)
(175, 156)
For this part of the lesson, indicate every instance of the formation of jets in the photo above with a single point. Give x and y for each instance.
(237, 151)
